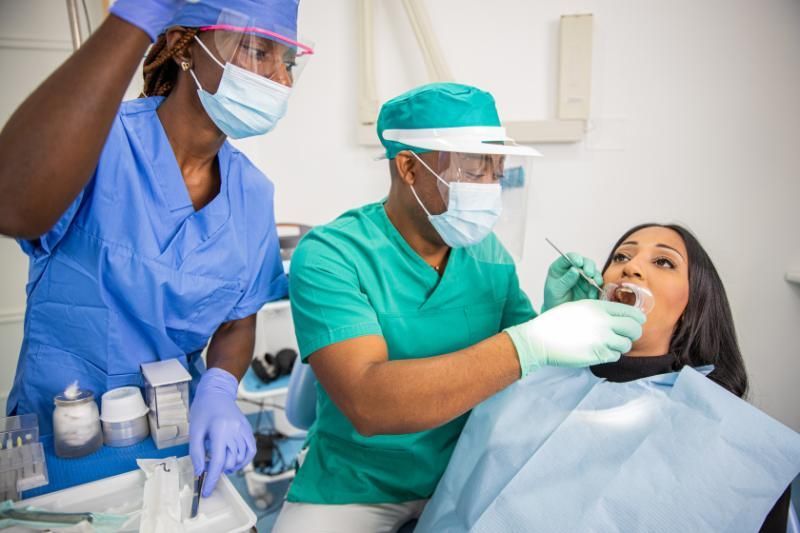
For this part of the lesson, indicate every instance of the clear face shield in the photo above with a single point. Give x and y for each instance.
(481, 186)
(483, 196)
(275, 53)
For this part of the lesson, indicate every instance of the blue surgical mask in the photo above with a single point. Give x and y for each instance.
(472, 211)
(245, 103)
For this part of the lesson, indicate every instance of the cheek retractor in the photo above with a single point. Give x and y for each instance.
(629, 294)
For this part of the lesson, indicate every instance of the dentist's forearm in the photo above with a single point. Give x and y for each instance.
(407, 396)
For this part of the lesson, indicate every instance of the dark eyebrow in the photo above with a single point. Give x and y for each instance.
(670, 248)
(657, 246)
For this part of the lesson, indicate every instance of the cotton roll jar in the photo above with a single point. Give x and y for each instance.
(76, 423)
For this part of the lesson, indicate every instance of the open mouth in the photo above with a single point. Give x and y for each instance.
(629, 294)
(624, 295)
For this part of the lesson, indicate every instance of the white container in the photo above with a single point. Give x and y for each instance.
(167, 391)
(128, 433)
(124, 417)
(122, 404)
(223, 512)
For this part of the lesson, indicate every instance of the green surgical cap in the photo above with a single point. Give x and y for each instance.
(436, 105)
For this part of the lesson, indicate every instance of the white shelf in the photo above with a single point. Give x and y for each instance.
(793, 277)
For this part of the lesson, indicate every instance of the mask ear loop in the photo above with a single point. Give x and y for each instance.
(414, 190)
(424, 164)
(420, 202)
(191, 70)
(194, 77)
(203, 46)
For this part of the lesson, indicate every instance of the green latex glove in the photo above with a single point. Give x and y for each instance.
(564, 283)
(577, 334)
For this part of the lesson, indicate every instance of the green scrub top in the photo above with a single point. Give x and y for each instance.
(357, 276)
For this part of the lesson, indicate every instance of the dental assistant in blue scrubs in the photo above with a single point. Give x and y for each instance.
(148, 233)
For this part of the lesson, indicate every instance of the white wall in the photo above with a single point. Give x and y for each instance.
(696, 119)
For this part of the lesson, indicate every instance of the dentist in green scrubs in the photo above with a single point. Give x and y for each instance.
(410, 313)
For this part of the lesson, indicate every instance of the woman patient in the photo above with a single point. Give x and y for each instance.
(689, 325)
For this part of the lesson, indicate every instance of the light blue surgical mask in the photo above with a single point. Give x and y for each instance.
(472, 211)
(245, 103)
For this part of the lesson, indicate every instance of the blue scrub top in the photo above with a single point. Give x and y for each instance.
(131, 273)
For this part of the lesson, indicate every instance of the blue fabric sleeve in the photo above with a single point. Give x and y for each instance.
(47, 242)
(269, 280)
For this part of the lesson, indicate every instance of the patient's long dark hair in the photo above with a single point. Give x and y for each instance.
(705, 334)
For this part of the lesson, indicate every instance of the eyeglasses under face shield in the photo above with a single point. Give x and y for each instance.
(511, 173)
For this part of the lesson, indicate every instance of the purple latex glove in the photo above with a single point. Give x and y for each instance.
(218, 428)
(151, 16)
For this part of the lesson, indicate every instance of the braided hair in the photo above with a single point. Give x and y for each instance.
(160, 71)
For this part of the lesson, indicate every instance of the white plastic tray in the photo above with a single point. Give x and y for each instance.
(223, 511)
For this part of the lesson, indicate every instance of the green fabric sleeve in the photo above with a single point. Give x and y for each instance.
(518, 308)
(328, 303)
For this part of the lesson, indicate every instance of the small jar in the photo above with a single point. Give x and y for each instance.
(76, 425)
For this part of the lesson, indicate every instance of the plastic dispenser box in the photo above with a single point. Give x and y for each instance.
(22, 462)
(166, 385)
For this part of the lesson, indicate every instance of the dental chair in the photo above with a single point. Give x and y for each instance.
(301, 408)
(301, 411)
(794, 524)
(301, 397)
